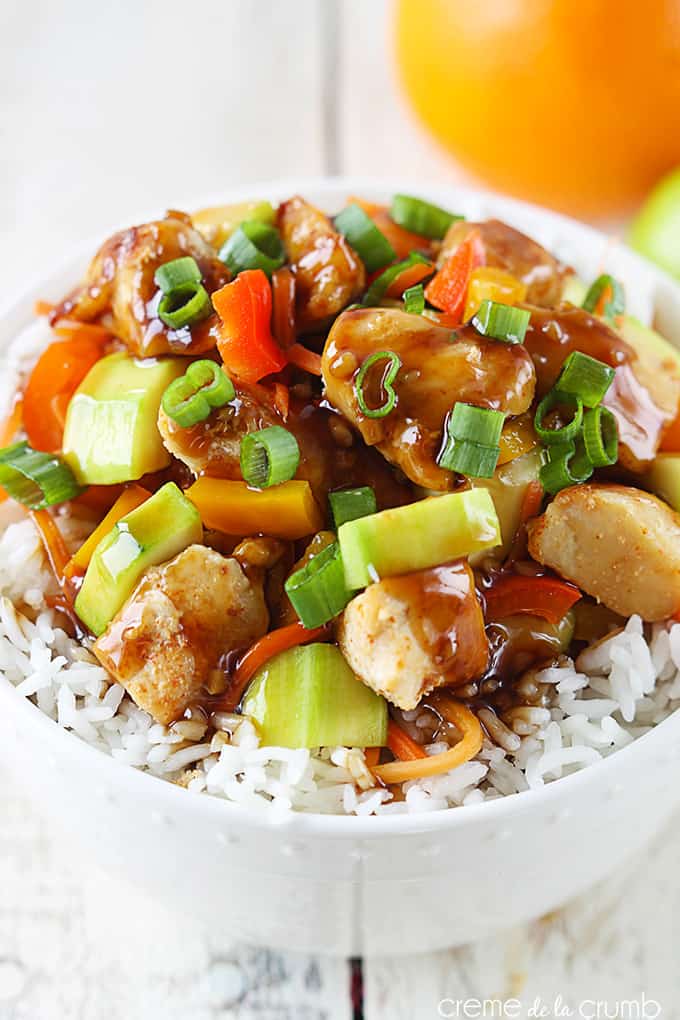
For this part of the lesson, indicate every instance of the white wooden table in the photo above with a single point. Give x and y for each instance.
(109, 110)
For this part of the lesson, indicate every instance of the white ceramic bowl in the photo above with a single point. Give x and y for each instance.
(347, 885)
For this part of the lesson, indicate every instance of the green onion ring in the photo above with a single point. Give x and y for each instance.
(501, 322)
(376, 291)
(567, 433)
(177, 273)
(34, 479)
(421, 217)
(184, 306)
(389, 375)
(566, 465)
(204, 387)
(318, 591)
(350, 504)
(269, 457)
(369, 243)
(601, 437)
(253, 245)
(585, 377)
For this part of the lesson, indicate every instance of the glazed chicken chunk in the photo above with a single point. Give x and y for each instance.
(439, 367)
(618, 544)
(165, 644)
(329, 274)
(645, 392)
(508, 249)
(406, 635)
(120, 283)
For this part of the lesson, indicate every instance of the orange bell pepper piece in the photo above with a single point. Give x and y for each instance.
(282, 511)
(246, 344)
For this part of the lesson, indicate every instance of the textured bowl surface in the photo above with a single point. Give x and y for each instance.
(341, 884)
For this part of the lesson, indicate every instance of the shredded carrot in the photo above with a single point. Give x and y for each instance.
(372, 756)
(12, 423)
(283, 307)
(465, 722)
(304, 359)
(72, 327)
(43, 307)
(401, 745)
(282, 399)
(259, 653)
(53, 542)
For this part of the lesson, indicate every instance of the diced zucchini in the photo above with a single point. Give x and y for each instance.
(420, 535)
(309, 697)
(111, 432)
(156, 531)
(663, 478)
(508, 488)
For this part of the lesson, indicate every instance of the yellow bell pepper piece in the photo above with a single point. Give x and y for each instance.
(129, 499)
(517, 438)
(282, 511)
(218, 222)
(488, 283)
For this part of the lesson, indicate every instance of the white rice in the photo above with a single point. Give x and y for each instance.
(616, 691)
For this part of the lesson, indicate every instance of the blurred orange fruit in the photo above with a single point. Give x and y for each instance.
(571, 103)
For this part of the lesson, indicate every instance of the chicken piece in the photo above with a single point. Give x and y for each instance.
(507, 248)
(169, 637)
(329, 274)
(618, 544)
(331, 455)
(646, 389)
(438, 368)
(120, 281)
(406, 635)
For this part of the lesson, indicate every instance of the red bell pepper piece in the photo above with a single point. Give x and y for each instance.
(548, 597)
(448, 289)
(246, 344)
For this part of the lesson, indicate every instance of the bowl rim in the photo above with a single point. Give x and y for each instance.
(343, 826)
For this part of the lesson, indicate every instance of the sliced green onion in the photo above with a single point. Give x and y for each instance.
(565, 466)
(371, 246)
(191, 398)
(253, 245)
(616, 305)
(585, 377)
(376, 291)
(501, 322)
(318, 591)
(421, 217)
(350, 504)
(36, 480)
(478, 424)
(567, 433)
(184, 306)
(414, 299)
(390, 372)
(177, 273)
(472, 436)
(601, 437)
(269, 457)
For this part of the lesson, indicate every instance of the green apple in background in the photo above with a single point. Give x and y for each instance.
(655, 231)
